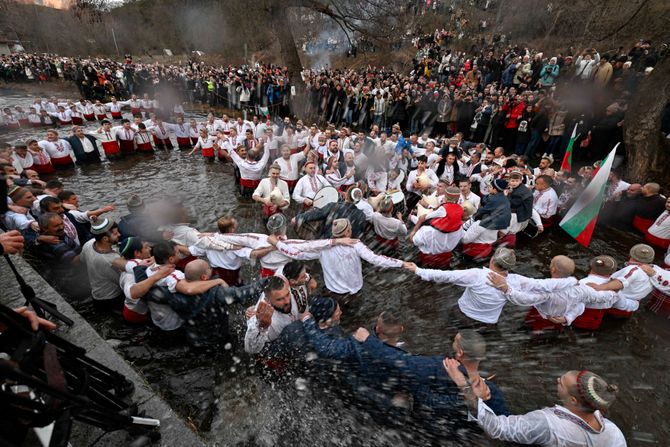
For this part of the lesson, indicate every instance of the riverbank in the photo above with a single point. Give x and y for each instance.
(174, 431)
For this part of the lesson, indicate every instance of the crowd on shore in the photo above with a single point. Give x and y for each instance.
(453, 176)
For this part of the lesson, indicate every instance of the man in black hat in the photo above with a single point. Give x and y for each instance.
(137, 223)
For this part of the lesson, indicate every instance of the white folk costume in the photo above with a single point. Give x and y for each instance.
(307, 187)
(482, 302)
(342, 269)
(546, 204)
(658, 234)
(549, 427)
(59, 152)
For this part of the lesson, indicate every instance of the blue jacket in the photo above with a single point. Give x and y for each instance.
(427, 379)
(495, 212)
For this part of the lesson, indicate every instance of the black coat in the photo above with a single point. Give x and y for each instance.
(78, 149)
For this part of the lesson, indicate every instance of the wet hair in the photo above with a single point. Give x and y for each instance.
(274, 283)
(45, 202)
(225, 224)
(54, 184)
(44, 219)
(293, 269)
(163, 251)
(65, 195)
(125, 120)
(564, 266)
(389, 318)
(473, 344)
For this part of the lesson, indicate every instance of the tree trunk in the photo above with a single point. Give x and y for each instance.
(291, 58)
(647, 149)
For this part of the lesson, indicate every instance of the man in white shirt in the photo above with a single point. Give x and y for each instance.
(59, 150)
(265, 194)
(631, 282)
(388, 229)
(545, 201)
(480, 301)
(577, 422)
(341, 264)
(275, 310)
(308, 185)
(289, 165)
(417, 183)
(658, 234)
(251, 168)
(559, 308)
(466, 193)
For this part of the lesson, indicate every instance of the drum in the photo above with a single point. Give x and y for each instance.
(325, 196)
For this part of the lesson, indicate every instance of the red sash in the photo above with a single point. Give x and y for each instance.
(89, 116)
(43, 169)
(127, 146)
(440, 260)
(537, 323)
(267, 211)
(36, 124)
(24, 121)
(509, 240)
(101, 117)
(133, 317)
(145, 147)
(265, 273)
(117, 115)
(208, 152)
(63, 123)
(77, 120)
(183, 141)
(391, 243)
(231, 277)
(181, 264)
(194, 140)
(617, 313)
(62, 161)
(590, 319)
(477, 250)
(135, 111)
(291, 184)
(548, 222)
(657, 241)
(659, 303)
(14, 125)
(248, 183)
(641, 224)
(110, 147)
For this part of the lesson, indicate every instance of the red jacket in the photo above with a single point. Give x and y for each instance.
(515, 112)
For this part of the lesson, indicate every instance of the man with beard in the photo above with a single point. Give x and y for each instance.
(97, 255)
(275, 310)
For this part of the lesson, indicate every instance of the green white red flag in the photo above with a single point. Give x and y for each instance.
(581, 218)
(566, 164)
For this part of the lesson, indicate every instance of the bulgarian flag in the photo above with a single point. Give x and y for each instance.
(581, 218)
(566, 164)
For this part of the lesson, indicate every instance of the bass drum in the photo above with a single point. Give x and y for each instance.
(325, 196)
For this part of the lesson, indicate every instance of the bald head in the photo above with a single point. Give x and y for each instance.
(562, 266)
(651, 189)
(197, 270)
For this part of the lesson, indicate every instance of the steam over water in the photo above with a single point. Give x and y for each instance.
(225, 392)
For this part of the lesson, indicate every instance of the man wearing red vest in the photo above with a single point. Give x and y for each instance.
(443, 231)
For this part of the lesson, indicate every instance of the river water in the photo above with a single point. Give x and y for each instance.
(230, 403)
